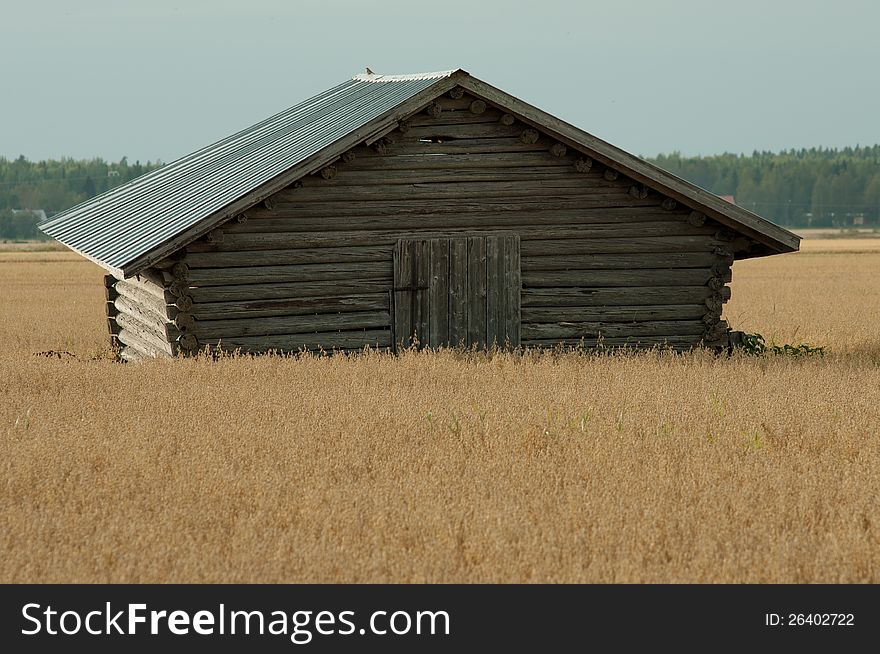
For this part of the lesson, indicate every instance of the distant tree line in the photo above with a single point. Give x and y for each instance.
(818, 187)
(54, 185)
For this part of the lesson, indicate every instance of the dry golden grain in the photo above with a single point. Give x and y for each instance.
(445, 467)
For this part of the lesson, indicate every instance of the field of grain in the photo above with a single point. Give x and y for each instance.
(446, 467)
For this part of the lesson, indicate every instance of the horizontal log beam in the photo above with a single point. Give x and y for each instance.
(620, 296)
(224, 329)
(586, 188)
(619, 314)
(297, 273)
(468, 146)
(340, 232)
(574, 330)
(131, 354)
(142, 340)
(598, 278)
(449, 130)
(595, 243)
(617, 261)
(440, 226)
(454, 118)
(305, 289)
(146, 299)
(252, 308)
(468, 209)
(139, 283)
(289, 256)
(416, 161)
(528, 176)
(144, 316)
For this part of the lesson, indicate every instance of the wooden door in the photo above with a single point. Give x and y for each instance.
(457, 291)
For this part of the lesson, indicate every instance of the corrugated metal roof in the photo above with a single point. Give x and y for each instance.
(123, 224)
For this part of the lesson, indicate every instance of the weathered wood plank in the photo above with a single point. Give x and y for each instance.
(151, 301)
(415, 161)
(476, 292)
(576, 330)
(513, 287)
(542, 207)
(469, 146)
(310, 341)
(249, 292)
(289, 256)
(346, 178)
(142, 284)
(596, 278)
(388, 230)
(457, 131)
(495, 295)
(611, 296)
(144, 315)
(458, 291)
(134, 336)
(621, 314)
(130, 354)
(302, 273)
(623, 261)
(214, 329)
(585, 194)
(438, 309)
(133, 323)
(422, 307)
(452, 118)
(404, 293)
(252, 308)
(593, 244)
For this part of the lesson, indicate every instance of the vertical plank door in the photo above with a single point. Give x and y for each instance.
(457, 291)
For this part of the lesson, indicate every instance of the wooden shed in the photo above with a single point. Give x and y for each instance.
(429, 206)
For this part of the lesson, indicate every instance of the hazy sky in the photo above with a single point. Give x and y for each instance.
(156, 79)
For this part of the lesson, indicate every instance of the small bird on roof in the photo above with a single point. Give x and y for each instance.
(369, 72)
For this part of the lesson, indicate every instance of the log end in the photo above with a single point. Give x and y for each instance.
(696, 218)
(529, 136)
(583, 165)
(188, 343)
(184, 303)
(477, 107)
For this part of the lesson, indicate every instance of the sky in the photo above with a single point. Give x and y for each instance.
(156, 79)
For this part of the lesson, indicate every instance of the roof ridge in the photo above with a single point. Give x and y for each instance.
(410, 77)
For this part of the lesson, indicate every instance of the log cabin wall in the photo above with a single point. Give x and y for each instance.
(148, 315)
(602, 258)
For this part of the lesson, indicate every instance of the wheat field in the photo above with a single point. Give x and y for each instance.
(447, 467)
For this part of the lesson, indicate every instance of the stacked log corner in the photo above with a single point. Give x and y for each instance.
(148, 314)
(604, 260)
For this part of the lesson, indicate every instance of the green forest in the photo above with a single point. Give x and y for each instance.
(819, 187)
